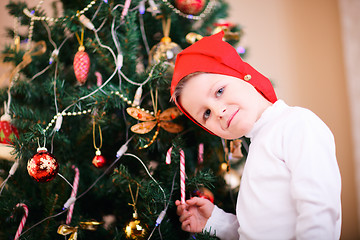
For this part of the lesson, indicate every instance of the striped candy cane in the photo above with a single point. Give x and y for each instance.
(125, 9)
(23, 220)
(182, 176)
(201, 153)
(73, 194)
(168, 156)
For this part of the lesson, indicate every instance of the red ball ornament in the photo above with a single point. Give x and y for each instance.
(8, 132)
(81, 65)
(98, 161)
(43, 166)
(193, 7)
(204, 193)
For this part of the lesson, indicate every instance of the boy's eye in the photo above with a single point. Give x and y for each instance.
(219, 92)
(207, 114)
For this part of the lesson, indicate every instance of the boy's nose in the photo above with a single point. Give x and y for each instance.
(221, 111)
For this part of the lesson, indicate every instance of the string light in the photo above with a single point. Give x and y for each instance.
(31, 27)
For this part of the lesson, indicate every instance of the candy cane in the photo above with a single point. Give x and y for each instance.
(73, 194)
(201, 153)
(168, 156)
(99, 79)
(23, 220)
(125, 9)
(182, 176)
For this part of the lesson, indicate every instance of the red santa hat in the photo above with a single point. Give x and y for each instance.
(213, 55)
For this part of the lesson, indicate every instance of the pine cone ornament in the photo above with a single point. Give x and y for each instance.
(81, 65)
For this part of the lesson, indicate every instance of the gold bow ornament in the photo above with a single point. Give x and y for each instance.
(64, 229)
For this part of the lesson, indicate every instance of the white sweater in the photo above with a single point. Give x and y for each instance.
(291, 185)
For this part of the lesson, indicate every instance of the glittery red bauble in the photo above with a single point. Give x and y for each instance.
(193, 7)
(81, 65)
(99, 161)
(7, 132)
(204, 193)
(43, 166)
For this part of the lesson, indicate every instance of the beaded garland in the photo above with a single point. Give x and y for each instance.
(206, 11)
(51, 19)
(129, 102)
(53, 120)
(78, 113)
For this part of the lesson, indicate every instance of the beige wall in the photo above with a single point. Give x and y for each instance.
(298, 45)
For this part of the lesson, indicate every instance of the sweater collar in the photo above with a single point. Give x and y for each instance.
(269, 114)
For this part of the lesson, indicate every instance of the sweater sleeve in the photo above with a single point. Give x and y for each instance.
(315, 183)
(224, 225)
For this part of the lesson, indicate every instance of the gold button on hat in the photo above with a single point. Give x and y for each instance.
(247, 77)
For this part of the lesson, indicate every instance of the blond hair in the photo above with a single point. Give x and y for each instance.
(180, 86)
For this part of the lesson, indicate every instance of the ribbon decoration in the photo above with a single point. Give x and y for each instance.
(37, 49)
(64, 229)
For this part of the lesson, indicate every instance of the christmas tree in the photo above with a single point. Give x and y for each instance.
(91, 146)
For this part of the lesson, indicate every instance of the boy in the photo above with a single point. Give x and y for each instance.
(291, 185)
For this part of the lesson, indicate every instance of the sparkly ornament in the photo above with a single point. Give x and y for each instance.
(81, 65)
(164, 50)
(42, 167)
(99, 160)
(193, 7)
(134, 229)
(204, 193)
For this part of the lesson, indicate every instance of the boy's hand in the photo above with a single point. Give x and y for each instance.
(194, 213)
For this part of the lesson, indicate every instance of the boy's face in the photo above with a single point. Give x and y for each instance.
(225, 105)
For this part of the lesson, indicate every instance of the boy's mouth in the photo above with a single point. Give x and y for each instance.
(231, 118)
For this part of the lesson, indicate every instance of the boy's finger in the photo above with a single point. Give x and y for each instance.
(194, 201)
(180, 209)
(186, 215)
(186, 226)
